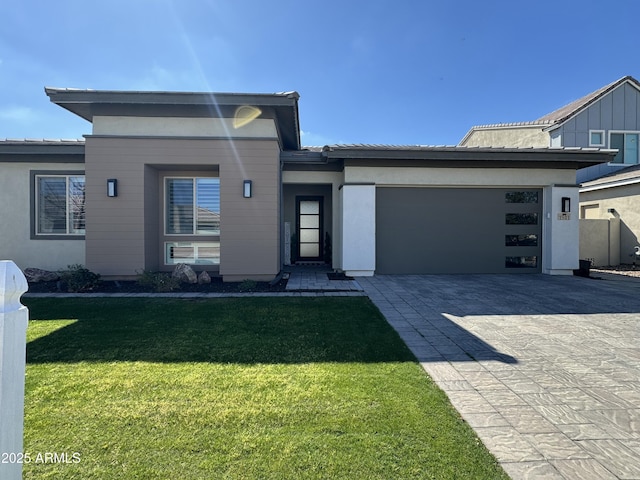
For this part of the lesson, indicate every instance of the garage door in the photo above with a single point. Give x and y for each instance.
(458, 230)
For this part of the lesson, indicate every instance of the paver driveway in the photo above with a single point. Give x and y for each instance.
(545, 369)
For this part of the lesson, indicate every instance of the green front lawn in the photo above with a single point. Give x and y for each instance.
(234, 388)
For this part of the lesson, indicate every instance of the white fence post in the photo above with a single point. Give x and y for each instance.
(13, 332)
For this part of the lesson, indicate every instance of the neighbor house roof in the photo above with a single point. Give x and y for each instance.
(561, 115)
(282, 107)
(619, 178)
(564, 113)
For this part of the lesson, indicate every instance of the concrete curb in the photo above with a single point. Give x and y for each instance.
(325, 293)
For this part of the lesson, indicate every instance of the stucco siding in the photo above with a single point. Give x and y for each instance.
(600, 241)
(458, 176)
(182, 126)
(626, 202)
(561, 245)
(16, 213)
(507, 137)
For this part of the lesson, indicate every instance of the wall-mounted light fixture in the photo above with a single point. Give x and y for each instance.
(112, 187)
(566, 204)
(247, 188)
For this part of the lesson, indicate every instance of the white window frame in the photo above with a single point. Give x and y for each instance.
(36, 193)
(603, 136)
(195, 259)
(637, 132)
(164, 202)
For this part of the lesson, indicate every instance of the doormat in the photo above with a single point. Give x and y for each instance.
(338, 276)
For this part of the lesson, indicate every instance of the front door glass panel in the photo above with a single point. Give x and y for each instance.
(309, 228)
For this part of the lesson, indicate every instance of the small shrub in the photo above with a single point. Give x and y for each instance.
(247, 285)
(77, 278)
(158, 281)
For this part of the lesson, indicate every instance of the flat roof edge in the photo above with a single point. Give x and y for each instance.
(41, 147)
(74, 95)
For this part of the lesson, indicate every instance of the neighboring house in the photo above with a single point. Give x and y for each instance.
(220, 181)
(606, 118)
(610, 209)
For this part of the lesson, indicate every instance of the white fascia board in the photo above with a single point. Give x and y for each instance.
(618, 183)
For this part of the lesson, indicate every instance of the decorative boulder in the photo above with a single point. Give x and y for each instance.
(184, 273)
(204, 278)
(35, 275)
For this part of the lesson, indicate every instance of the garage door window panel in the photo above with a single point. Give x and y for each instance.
(521, 219)
(521, 197)
(521, 262)
(526, 240)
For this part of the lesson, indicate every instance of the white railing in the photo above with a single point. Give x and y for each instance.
(13, 331)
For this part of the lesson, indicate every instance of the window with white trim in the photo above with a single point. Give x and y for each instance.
(192, 206)
(60, 205)
(596, 138)
(198, 253)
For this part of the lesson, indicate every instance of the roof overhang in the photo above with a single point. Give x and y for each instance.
(281, 107)
(612, 184)
(56, 151)
(455, 156)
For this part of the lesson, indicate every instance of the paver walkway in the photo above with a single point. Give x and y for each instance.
(545, 369)
(317, 279)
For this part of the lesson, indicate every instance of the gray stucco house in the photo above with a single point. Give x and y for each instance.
(220, 181)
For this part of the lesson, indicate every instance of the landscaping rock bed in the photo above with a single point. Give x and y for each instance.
(216, 286)
(626, 270)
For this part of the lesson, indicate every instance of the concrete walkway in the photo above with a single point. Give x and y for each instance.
(545, 369)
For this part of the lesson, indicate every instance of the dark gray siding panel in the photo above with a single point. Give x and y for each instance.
(448, 230)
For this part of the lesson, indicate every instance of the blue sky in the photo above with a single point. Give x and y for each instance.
(377, 71)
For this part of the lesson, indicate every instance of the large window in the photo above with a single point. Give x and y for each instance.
(627, 145)
(192, 206)
(60, 205)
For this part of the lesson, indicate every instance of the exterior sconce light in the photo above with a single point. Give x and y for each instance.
(247, 188)
(112, 187)
(566, 204)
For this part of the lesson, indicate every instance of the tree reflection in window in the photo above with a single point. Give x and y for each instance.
(527, 240)
(521, 197)
(521, 218)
